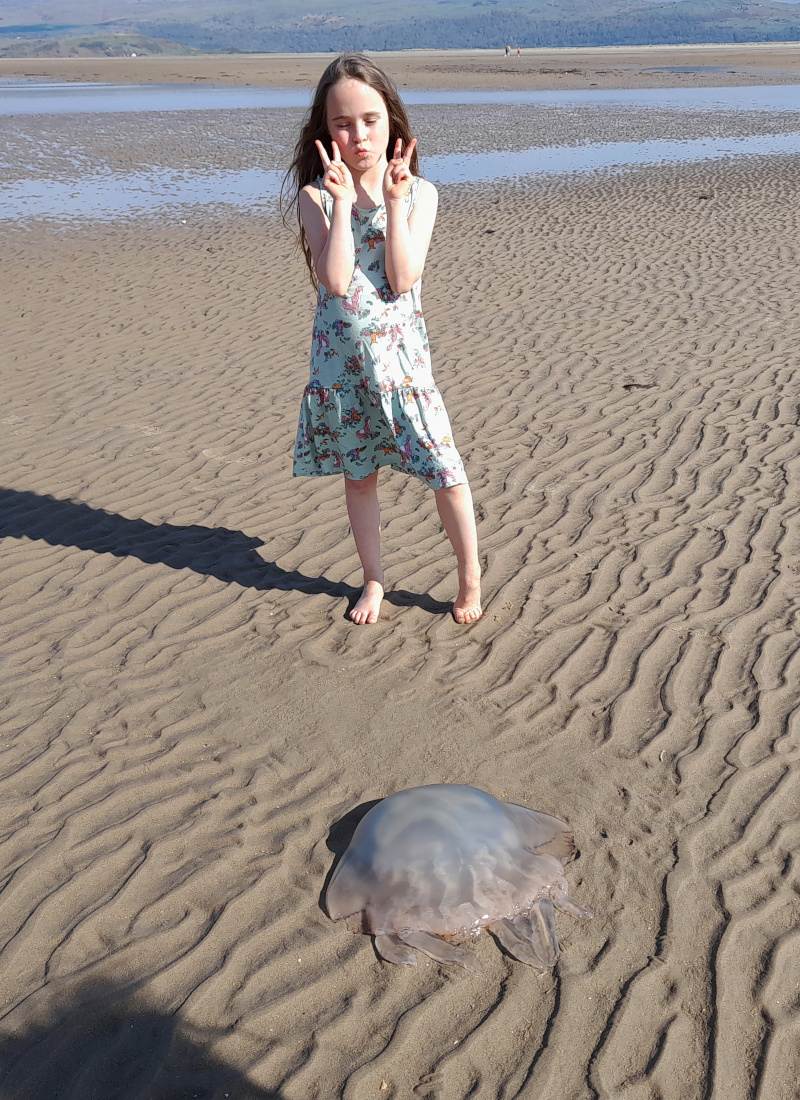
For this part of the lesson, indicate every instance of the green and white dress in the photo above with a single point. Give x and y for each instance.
(371, 400)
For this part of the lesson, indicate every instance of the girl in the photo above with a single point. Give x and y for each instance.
(371, 401)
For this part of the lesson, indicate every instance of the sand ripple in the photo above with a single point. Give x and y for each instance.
(187, 710)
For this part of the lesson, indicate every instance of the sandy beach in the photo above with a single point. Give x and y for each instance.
(190, 718)
(602, 67)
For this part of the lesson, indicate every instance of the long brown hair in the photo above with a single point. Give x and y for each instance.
(306, 166)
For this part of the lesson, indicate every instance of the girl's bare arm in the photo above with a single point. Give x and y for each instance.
(331, 243)
(407, 239)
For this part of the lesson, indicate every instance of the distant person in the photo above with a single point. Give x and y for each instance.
(518, 51)
(371, 401)
(508, 50)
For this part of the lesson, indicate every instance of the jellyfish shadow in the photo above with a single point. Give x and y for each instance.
(96, 1044)
(338, 841)
(219, 552)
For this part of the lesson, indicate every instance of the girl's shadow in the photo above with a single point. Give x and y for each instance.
(214, 551)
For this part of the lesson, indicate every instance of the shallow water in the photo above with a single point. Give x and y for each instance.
(559, 159)
(24, 97)
(104, 196)
(89, 188)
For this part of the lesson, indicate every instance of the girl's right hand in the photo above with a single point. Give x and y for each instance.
(337, 180)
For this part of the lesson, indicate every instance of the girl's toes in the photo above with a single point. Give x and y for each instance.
(466, 615)
(368, 608)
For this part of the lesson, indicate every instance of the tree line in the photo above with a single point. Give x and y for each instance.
(487, 30)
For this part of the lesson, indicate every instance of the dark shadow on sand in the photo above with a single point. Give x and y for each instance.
(339, 836)
(97, 1044)
(213, 551)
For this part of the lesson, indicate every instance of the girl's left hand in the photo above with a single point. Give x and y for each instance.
(397, 179)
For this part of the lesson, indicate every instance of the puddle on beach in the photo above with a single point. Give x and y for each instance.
(107, 196)
(101, 193)
(24, 97)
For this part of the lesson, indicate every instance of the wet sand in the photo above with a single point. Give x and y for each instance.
(189, 717)
(606, 67)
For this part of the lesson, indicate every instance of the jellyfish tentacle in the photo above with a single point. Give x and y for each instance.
(517, 944)
(393, 950)
(440, 950)
(546, 957)
(522, 927)
(543, 931)
(565, 904)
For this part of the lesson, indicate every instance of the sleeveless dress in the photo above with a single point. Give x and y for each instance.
(371, 400)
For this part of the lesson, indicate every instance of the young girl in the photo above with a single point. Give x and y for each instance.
(371, 401)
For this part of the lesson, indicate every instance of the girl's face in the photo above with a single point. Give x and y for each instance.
(359, 124)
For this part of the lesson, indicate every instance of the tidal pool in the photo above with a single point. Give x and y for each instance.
(62, 170)
(25, 97)
(106, 196)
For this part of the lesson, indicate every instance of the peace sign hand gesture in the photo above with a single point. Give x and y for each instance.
(397, 179)
(337, 180)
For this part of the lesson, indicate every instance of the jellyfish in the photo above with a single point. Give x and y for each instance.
(431, 867)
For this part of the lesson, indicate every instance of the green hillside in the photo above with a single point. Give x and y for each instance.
(311, 25)
(97, 45)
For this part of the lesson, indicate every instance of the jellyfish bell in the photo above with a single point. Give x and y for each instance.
(432, 866)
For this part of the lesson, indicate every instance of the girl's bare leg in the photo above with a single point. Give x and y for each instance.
(365, 523)
(458, 519)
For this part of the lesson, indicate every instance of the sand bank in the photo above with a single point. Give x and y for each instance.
(609, 67)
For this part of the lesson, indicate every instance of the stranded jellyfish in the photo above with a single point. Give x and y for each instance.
(432, 866)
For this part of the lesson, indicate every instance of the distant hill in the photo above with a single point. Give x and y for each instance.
(102, 45)
(320, 26)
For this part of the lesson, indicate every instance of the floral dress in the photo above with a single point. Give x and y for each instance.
(371, 400)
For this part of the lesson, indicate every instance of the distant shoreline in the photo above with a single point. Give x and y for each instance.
(557, 68)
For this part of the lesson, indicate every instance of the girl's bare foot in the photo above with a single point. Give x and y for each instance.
(368, 607)
(467, 607)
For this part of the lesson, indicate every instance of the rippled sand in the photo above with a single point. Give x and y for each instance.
(188, 713)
